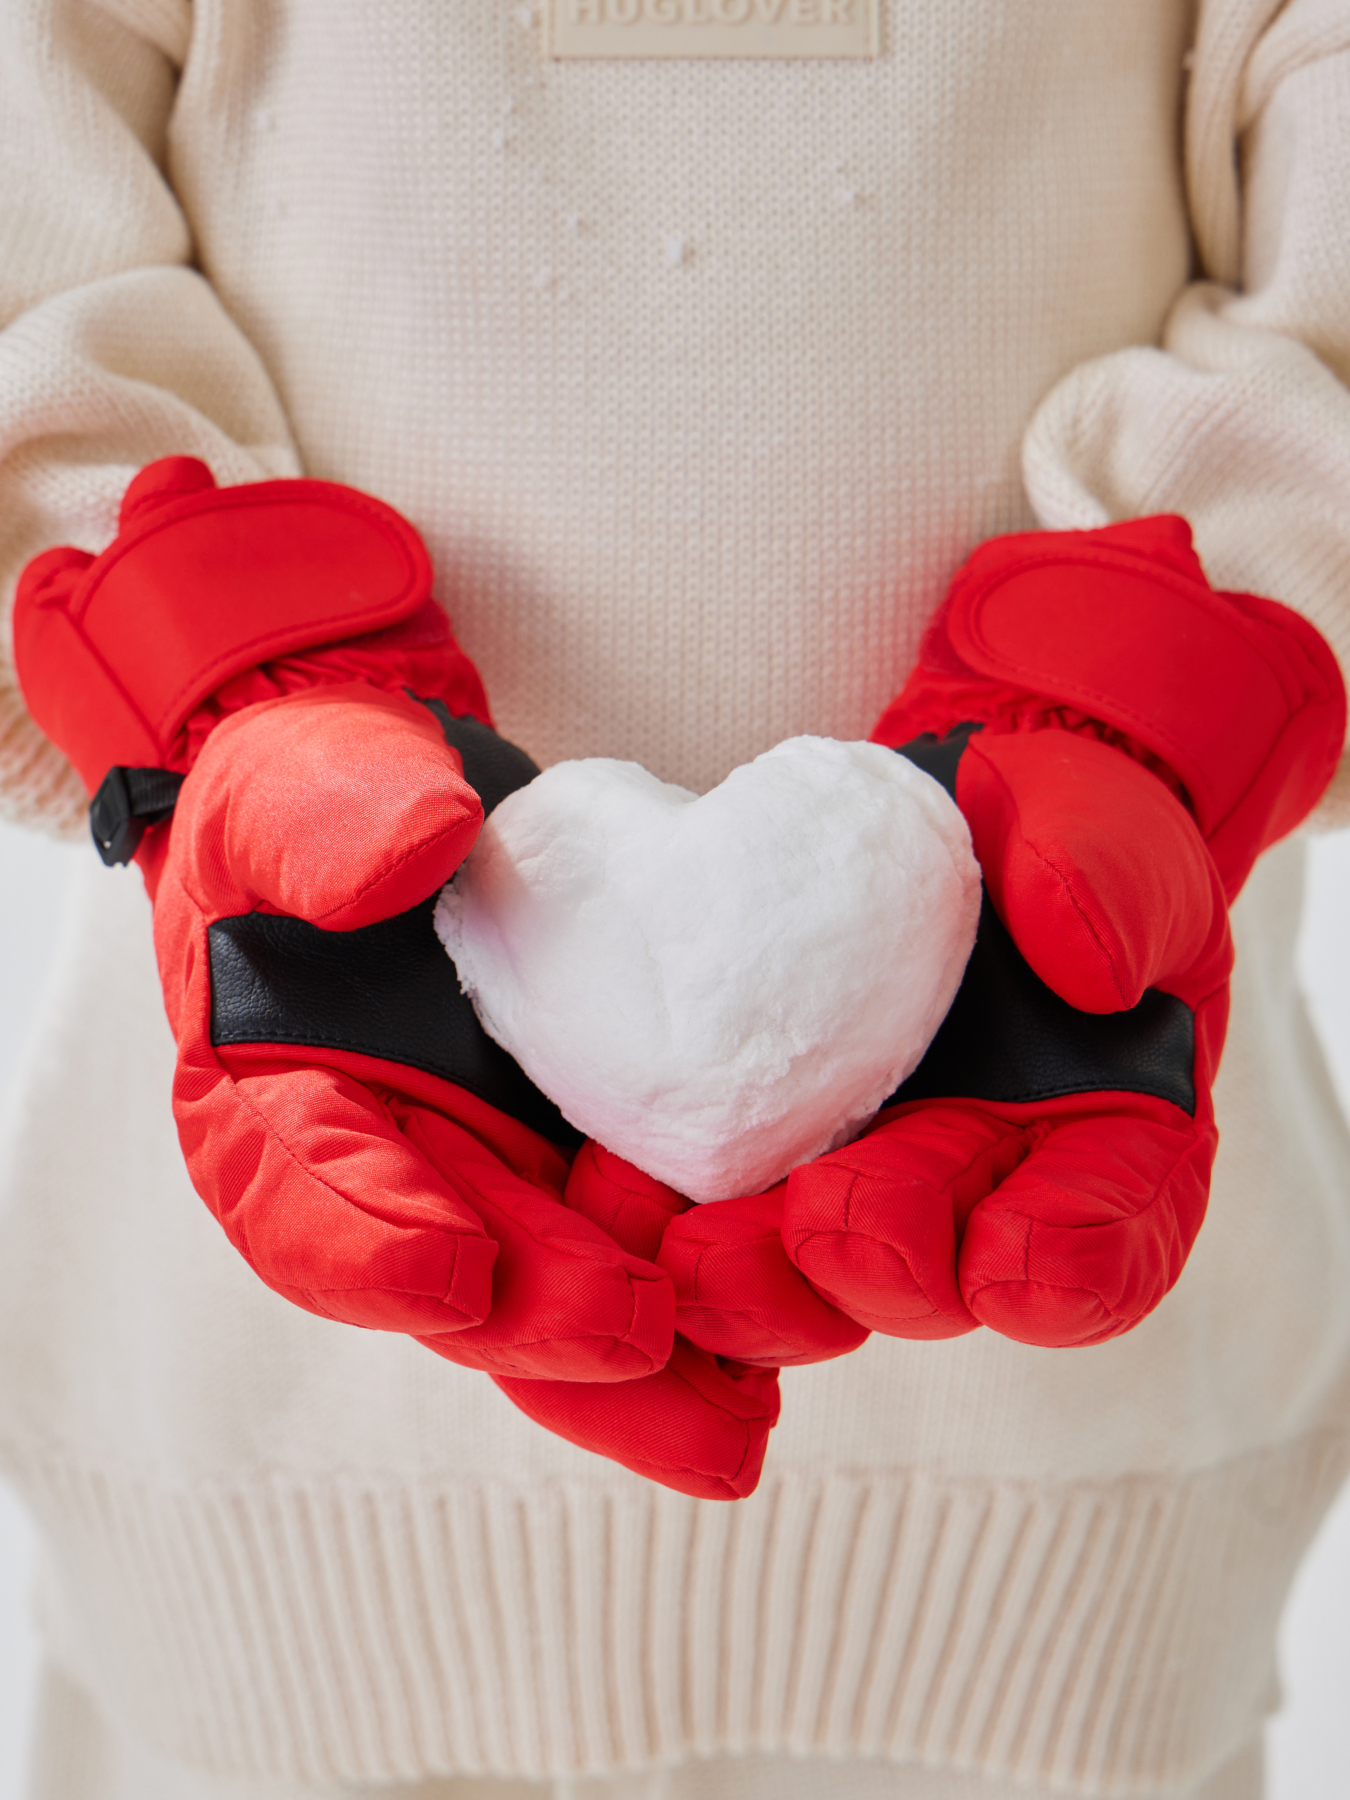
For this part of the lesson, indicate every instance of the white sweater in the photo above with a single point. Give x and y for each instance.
(700, 377)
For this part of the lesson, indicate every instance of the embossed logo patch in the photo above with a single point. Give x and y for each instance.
(710, 28)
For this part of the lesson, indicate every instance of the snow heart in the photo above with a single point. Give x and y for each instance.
(718, 988)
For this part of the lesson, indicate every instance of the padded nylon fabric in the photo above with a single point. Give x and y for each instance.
(1236, 700)
(1097, 871)
(112, 663)
(1087, 660)
(339, 806)
(733, 1285)
(701, 1425)
(704, 1424)
(365, 1190)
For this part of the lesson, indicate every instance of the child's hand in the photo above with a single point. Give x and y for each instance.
(1123, 743)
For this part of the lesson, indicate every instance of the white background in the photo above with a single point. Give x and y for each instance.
(1309, 1740)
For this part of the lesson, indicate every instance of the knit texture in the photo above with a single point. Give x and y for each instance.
(80, 1752)
(1081, 1636)
(700, 381)
(700, 378)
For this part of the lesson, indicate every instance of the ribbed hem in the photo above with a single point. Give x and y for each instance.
(1114, 1638)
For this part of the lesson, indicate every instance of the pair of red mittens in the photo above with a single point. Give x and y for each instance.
(1122, 740)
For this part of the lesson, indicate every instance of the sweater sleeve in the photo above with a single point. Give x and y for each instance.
(1240, 418)
(113, 348)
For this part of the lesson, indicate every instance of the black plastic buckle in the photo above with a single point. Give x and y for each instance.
(128, 800)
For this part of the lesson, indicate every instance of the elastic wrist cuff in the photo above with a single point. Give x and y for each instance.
(1239, 697)
(114, 652)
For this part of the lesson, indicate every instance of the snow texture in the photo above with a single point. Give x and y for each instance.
(718, 988)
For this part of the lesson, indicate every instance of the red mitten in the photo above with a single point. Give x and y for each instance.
(356, 1136)
(1123, 742)
(755, 1307)
(701, 1424)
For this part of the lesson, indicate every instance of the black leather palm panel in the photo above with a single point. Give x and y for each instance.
(385, 990)
(388, 989)
(1008, 1037)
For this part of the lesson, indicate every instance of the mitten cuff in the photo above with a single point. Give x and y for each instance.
(115, 653)
(1117, 632)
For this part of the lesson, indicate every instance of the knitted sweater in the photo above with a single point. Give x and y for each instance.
(700, 376)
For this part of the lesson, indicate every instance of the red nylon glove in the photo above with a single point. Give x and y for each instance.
(706, 1419)
(1139, 740)
(366, 1148)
